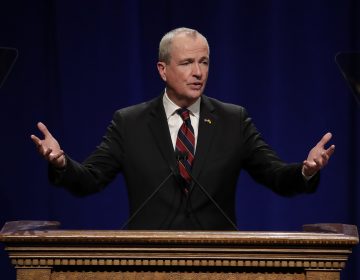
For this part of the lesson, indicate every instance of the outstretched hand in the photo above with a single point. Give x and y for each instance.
(318, 156)
(49, 147)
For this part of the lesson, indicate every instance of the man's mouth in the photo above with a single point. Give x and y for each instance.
(196, 85)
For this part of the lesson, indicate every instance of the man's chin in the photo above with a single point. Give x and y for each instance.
(187, 98)
(193, 97)
(195, 93)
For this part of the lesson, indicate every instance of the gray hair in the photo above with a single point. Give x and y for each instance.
(166, 42)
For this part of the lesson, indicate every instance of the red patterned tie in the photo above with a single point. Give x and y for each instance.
(185, 144)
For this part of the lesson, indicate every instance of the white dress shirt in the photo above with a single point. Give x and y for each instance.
(175, 121)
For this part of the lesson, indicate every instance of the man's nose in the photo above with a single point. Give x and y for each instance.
(196, 70)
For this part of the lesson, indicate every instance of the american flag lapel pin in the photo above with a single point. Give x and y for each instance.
(208, 121)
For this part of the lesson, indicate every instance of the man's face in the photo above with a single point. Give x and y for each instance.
(187, 72)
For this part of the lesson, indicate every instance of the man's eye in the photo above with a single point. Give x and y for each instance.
(185, 63)
(205, 62)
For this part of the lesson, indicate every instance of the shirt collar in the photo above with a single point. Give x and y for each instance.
(171, 107)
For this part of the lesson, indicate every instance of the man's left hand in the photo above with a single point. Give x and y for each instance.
(318, 156)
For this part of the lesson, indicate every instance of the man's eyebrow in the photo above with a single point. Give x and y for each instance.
(187, 60)
(204, 58)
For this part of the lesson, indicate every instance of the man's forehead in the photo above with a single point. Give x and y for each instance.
(188, 38)
(183, 43)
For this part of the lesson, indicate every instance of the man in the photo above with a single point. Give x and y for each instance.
(168, 157)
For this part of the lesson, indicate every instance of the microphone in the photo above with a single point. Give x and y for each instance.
(8, 57)
(172, 173)
(180, 155)
(183, 156)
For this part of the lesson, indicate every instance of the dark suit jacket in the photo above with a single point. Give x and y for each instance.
(138, 144)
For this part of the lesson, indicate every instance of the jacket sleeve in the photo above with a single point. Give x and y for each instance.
(99, 169)
(265, 167)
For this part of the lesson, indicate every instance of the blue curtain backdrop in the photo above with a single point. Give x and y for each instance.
(79, 61)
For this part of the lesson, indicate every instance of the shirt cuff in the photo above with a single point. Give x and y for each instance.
(307, 178)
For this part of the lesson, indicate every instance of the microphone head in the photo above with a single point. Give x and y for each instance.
(181, 155)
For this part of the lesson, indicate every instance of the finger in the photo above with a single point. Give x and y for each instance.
(324, 156)
(309, 165)
(36, 140)
(320, 162)
(309, 168)
(330, 150)
(326, 138)
(57, 156)
(42, 127)
(47, 153)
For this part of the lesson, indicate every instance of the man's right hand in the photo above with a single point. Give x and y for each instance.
(49, 147)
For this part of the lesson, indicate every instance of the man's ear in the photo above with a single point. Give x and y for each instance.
(161, 66)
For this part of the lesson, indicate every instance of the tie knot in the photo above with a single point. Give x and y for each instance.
(184, 114)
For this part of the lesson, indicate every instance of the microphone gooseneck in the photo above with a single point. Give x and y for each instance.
(183, 156)
(180, 156)
(161, 185)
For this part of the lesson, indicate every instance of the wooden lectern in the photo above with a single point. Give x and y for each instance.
(40, 252)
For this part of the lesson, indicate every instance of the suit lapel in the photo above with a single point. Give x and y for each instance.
(207, 128)
(160, 130)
